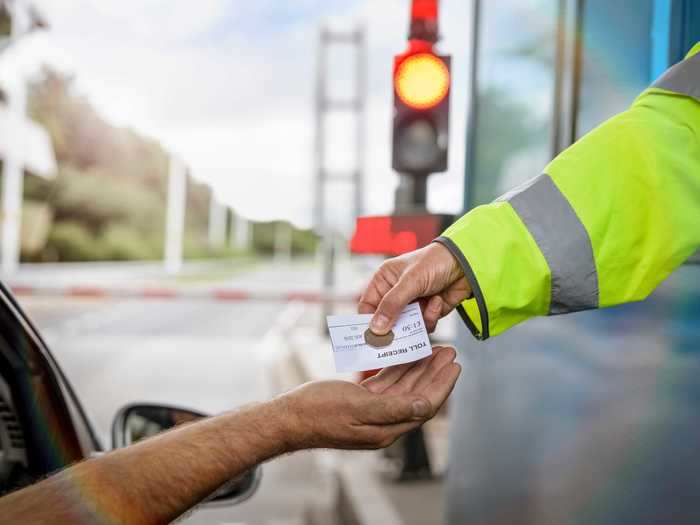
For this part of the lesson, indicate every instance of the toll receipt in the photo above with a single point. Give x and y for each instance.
(353, 353)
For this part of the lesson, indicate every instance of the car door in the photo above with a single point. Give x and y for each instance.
(42, 425)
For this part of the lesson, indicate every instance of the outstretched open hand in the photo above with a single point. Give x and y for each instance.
(373, 414)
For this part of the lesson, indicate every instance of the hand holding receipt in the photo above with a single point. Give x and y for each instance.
(356, 348)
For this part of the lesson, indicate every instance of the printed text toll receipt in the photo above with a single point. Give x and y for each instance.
(353, 353)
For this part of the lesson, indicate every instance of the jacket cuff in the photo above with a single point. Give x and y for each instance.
(479, 329)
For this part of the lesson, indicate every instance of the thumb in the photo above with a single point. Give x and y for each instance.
(392, 304)
(390, 410)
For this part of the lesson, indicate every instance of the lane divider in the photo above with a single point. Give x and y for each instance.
(175, 293)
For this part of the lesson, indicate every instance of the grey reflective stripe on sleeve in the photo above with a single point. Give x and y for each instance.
(564, 242)
(683, 78)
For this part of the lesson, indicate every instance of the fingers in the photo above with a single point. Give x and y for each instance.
(433, 312)
(389, 434)
(390, 410)
(441, 386)
(388, 416)
(386, 377)
(441, 356)
(403, 378)
(444, 358)
(392, 304)
(369, 300)
(405, 384)
(382, 281)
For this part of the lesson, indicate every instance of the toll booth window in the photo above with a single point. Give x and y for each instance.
(616, 58)
(515, 90)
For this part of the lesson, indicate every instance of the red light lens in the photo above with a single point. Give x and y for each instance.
(425, 9)
(422, 81)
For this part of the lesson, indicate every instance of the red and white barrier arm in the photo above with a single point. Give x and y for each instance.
(174, 293)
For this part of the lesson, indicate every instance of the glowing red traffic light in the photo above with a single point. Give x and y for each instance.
(424, 9)
(422, 81)
(375, 235)
(394, 235)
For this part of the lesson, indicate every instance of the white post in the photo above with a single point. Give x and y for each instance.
(12, 183)
(23, 145)
(175, 219)
(217, 223)
(241, 229)
(12, 187)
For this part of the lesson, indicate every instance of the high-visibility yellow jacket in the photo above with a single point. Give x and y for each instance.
(608, 220)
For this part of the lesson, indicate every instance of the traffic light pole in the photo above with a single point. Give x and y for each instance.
(411, 194)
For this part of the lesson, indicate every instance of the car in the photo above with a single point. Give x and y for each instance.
(43, 426)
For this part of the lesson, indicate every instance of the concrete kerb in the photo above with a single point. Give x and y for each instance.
(274, 349)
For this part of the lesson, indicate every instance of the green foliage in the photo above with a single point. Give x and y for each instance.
(97, 201)
(108, 199)
(71, 241)
(36, 226)
(201, 250)
(122, 243)
(303, 241)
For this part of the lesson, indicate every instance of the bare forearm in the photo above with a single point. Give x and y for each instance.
(159, 479)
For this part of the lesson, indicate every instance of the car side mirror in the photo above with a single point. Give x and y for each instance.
(139, 421)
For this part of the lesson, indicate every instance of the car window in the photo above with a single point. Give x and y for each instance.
(35, 405)
(13, 452)
(81, 424)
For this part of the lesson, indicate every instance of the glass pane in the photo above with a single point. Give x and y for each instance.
(584, 418)
(515, 94)
(616, 58)
(687, 25)
(655, 428)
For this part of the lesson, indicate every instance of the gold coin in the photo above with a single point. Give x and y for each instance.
(378, 341)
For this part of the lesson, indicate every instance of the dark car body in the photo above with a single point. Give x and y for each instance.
(43, 426)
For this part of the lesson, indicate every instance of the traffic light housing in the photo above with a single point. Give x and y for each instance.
(422, 84)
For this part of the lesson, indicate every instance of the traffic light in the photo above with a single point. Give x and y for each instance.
(422, 84)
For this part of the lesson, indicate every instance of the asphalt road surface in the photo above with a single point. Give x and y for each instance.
(203, 355)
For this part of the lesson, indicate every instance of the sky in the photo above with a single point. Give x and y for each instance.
(228, 86)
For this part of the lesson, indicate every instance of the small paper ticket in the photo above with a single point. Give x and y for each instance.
(353, 353)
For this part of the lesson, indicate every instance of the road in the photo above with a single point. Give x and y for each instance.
(205, 355)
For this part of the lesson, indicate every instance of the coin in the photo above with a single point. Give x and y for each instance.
(378, 341)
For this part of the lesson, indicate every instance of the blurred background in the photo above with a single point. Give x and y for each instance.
(188, 187)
